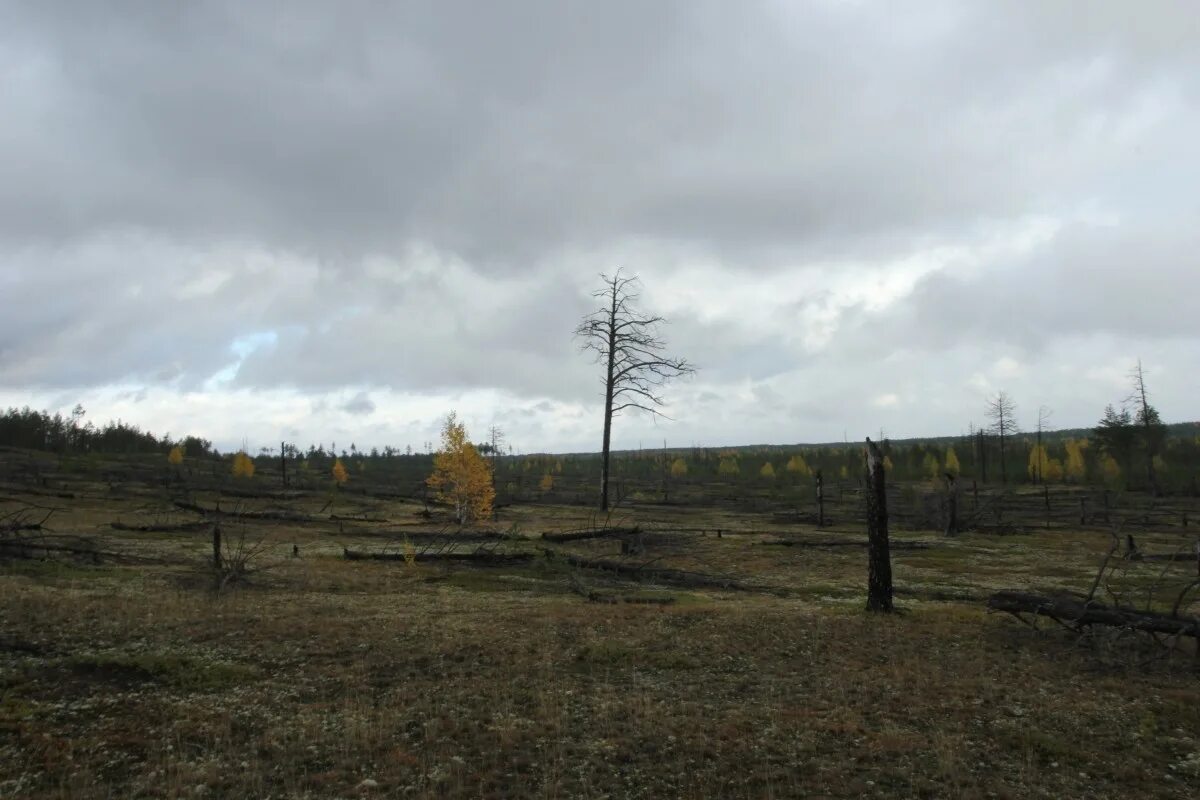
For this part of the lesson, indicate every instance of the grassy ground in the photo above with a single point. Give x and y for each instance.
(322, 677)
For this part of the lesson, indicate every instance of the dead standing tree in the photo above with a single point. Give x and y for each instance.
(1044, 415)
(627, 343)
(879, 556)
(1001, 411)
(1148, 420)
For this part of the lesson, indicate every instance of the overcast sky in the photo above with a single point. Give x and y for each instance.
(320, 221)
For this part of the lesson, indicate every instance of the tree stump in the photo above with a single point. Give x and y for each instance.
(879, 557)
(820, 501)
(951, 505)
(216, 545)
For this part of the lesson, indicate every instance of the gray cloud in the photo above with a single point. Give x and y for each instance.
(413, 198)
(360, 405)
(496, 133)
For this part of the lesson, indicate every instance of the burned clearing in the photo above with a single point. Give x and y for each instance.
(369, 646)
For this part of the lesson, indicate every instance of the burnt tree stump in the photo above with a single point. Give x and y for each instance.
(879, 557)
(951, 504)
(216, 545)
(820, 501)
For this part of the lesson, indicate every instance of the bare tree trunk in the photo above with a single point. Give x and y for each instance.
(1003, 465)
(1131, 549)
(951, 505)
(982, 457)
(283, 461)
(1147, 423)
(1038, 470)
(879, 557)
(608, 400)
(820, 501)
(216, 545)
(605, 457)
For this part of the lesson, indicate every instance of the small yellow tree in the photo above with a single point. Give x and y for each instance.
(729, 466)
(460, 475)
(932, 468)
(798, 466)
(767, 471)
(1054, 470)
(1039, 460)
(678, 468)
(340, 475)
(547, 482)
(1075, 468)
(952, 465)
(243, 465)
(175, 457)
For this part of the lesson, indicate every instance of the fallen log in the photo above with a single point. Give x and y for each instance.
(841, 543)
(490, 559)
(592, 596)
(18, 489)
(676, 577)
(426, 535)
(281, 516)
(589, 533)
(43, 547)
(1076, 613)
(250, 494)
(24, 548)
(179, 527)
(1140, 556)
(618, 599)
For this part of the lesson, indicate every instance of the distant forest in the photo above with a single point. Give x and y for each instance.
(1110, 456)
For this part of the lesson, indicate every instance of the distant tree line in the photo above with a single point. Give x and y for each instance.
(38, 430)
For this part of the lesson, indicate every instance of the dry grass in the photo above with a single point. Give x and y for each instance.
(321, 674)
